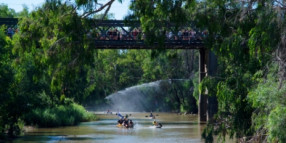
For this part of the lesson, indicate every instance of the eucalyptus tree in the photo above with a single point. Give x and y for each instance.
(245, 36)
(56, 37)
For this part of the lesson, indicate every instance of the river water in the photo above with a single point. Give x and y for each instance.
(176, 129)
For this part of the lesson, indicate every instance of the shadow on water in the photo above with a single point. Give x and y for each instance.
(39, 138)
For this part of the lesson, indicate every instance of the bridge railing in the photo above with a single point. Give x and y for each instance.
(119, 30)
(9, 21)
(122, 34)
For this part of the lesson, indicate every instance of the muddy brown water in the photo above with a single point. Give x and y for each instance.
(176, 129)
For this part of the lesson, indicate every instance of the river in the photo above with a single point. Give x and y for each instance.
(176, 129)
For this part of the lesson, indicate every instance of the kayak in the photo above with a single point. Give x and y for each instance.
(159, 125)
(121, 126)
(152, 117)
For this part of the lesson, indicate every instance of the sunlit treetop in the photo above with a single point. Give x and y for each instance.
(6, 12)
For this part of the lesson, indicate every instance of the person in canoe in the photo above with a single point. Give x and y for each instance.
(120, 121)
(119, 115)
(151, 116)
(124, 122)
(130, 124)
(157, 125)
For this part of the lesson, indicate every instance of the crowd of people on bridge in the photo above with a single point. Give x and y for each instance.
(137, 34)
(11, 31)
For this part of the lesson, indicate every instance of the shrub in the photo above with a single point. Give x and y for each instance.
(61, 115)
(270, 102)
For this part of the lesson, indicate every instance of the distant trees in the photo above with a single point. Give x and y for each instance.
(115, 70)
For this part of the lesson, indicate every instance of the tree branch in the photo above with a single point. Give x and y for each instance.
(99, 9)
(280, 3)
(105, 13)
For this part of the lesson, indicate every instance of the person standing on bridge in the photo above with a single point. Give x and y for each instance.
(10, 32)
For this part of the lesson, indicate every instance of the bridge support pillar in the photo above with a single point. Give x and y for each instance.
(212, 100)
(208, 67)
(203, 97)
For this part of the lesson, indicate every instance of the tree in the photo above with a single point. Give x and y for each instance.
(24, 12)
(243, 35)
(9, 112)
(56, 34)
(6, 12)
(47, 58)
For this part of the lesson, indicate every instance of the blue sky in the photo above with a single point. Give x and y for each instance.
(119, 10)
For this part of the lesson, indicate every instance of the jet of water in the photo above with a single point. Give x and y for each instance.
(137, 98)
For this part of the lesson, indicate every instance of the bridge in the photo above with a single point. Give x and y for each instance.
(8, 21)
(119, 34)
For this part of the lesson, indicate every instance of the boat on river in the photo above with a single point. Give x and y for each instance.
(125, 123)
(157, 125)
(122, 126)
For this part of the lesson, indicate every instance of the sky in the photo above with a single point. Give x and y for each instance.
(118, 9)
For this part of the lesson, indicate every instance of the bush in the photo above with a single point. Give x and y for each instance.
(10, 129)
(61, 115)
(270, 102)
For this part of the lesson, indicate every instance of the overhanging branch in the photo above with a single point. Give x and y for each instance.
(108, 4)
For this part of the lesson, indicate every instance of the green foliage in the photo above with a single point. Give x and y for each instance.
(208, 85)
(208, 134)
(276, 124)
(24, 13)
(243, 43)
(270, 105)
(196, 92)
(55, 49)
(243, 35)
(8, 118)
(61, 115)
(11, 104)
(153, 16)
(6, 12)
(119, 69)
(50, 64)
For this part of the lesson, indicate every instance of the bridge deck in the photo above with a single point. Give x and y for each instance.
(128, 44)
(8, 21)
